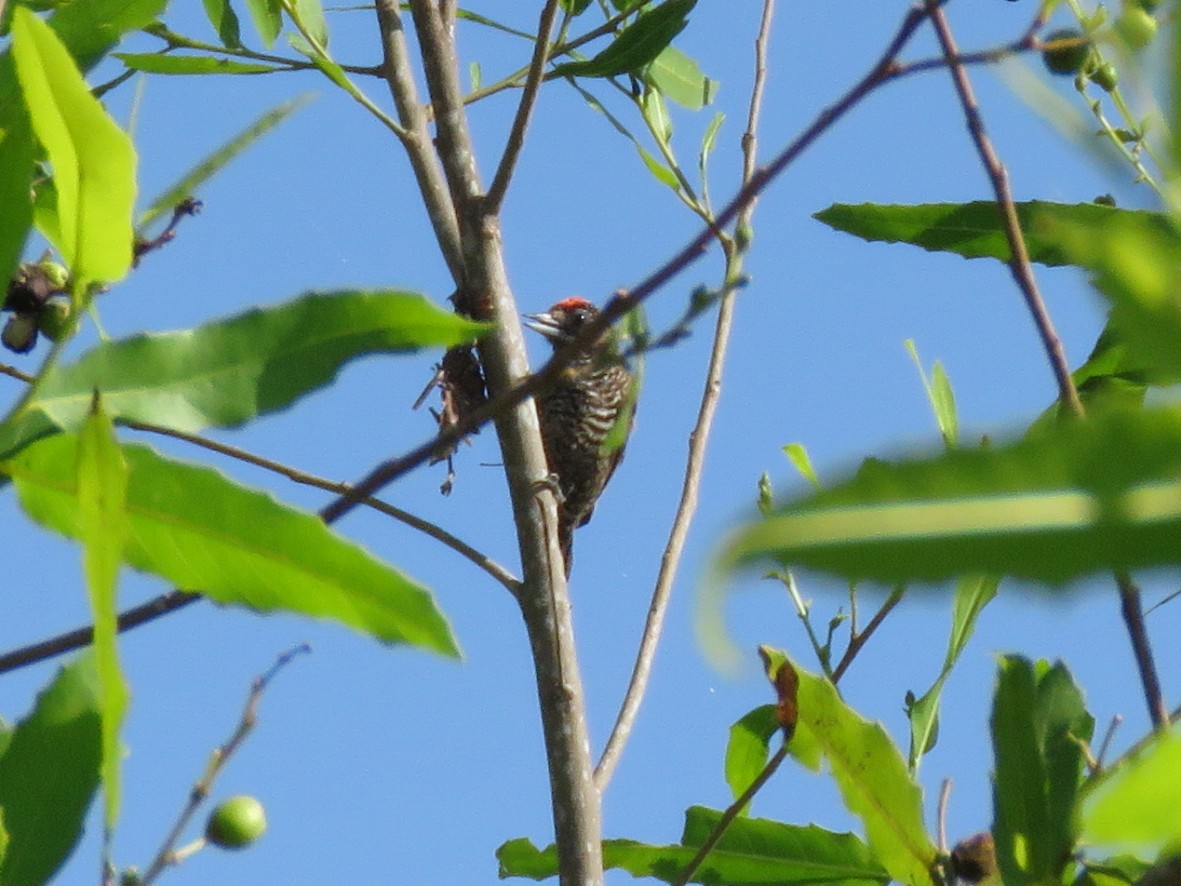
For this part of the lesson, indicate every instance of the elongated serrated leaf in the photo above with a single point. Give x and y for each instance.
(225, 21)
(752, 852)
(102, 526)
(197, 529)
(91, 29)
(92, 158)
(48, 776)
(974, 230)
(749, 747)
(678, 78)
(230, 371)
(1136, 803)
(637, 44)
(972, 594)
(873, 780)
(1038, 722)
(155, 63)
(217, 159)
(1073, 499)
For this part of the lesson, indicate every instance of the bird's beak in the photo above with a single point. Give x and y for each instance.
(545, 324)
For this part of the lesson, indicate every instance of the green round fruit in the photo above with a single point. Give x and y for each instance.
(1105, 76)
(236, 823)
(1136, 26)
(1066, 60)
(54, 318)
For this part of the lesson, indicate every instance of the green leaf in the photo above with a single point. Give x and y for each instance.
(201, 531)
(749, 747)
(574, 7)
(636, 45)
(17, 154)
(972, 594)
(659, 171)
(797, 454)
(310, 14)
(93, 160)
(1038, 720)
(225, 21)
(872, 777)
(1073, 499)
(219, 158)
(677, 77)
(230, 371)
(974, 230)
(91, 28)
(155, 63)
(48, 776)
(1136, 263)
(103, 529)
(268, 19)
(939, 395)
(752, 852)
(1136, 803)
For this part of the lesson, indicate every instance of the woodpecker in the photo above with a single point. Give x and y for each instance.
(578, 413)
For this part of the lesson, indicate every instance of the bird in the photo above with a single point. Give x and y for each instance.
(578, 413)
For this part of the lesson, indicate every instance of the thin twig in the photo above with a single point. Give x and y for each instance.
(698, 441)
(941, 814)
(1133, 613)
(516, 137)
(732, 812)
(1019, 264)
(217, 762)
(858, 639)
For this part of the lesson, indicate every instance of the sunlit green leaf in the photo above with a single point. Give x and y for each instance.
(230, 371)
(155, 63)
(677, 77)
(198, 530)
(310, 14)
(749, 747)
(1038, 722)
(103, 529)
(873, 779)
(752, 852)
(92, 158)
(48, 775)
(972, 594)
(1137, 802)
(1070, 500)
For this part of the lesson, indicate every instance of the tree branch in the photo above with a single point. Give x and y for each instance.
(417, 141)
(1019, 264)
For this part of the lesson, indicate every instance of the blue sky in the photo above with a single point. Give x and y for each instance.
(380, 765)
